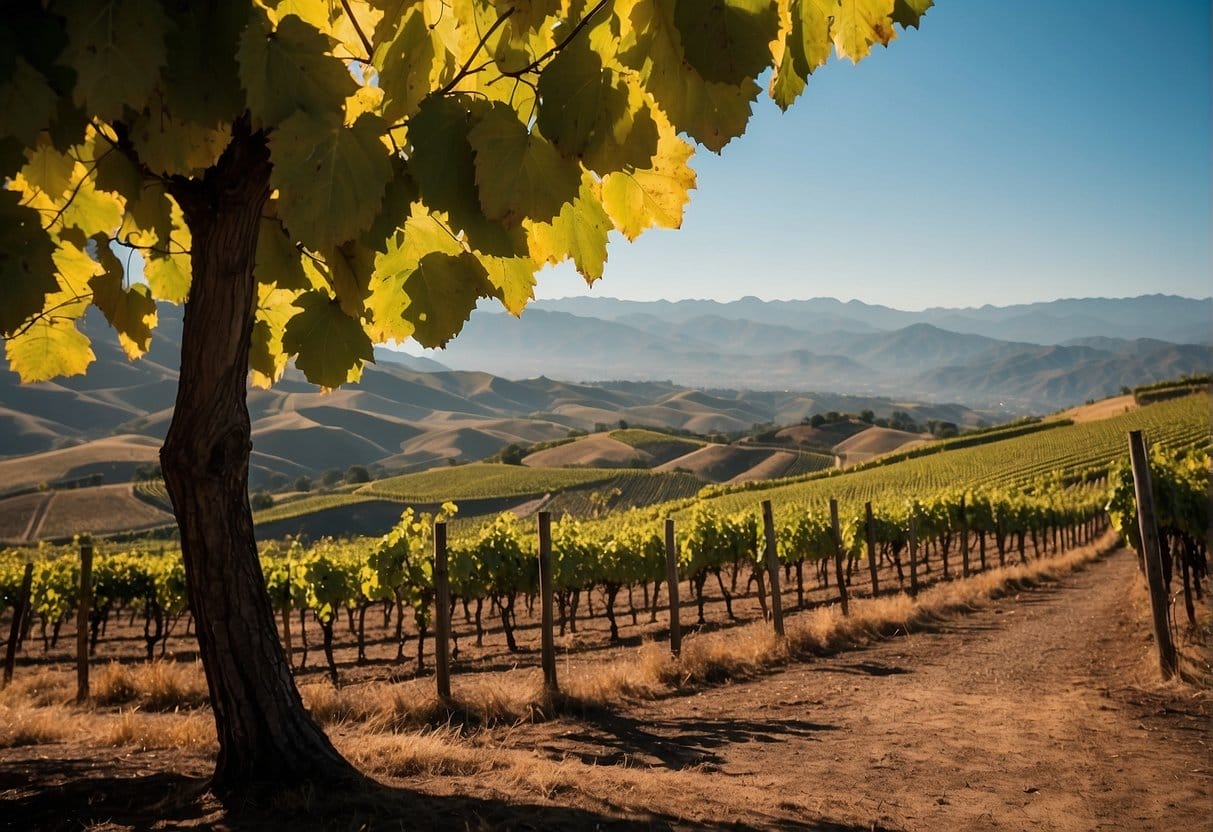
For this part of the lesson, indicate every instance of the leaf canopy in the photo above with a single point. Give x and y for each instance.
(423, 156)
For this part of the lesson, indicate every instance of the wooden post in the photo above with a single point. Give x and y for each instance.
(870, 527)
(913, 559)
(1168, 662)
(837, 531)
(768, 528)
(10, 654)
(545, 602)
(964, 538)
(671, 575)
(442, 614)
(84, 603)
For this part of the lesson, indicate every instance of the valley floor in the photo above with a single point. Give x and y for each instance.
(1038, 711)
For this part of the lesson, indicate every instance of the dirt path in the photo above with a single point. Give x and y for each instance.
(1020, 716)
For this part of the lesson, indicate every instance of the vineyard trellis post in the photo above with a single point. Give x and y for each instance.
(1168, 662)
(870, 529)
(19, 610)
(548, 643)
(838, 555)
(964, 538)
(913, 558)
(442, 614)
(84, 603)
(772, 564)
(671, 571)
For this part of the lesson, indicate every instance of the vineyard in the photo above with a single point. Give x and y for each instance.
(934, 518)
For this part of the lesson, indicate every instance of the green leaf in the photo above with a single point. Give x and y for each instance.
(858, 24)
(592, 113)
(443, 164)
(398, 198)
(519, 173)
(407, 66)
(117, 49)
(287, 71)
(330, 347)
(172, 146)
(909, 12)
(330, 178)
(48, 349)
(442, 293)
(278, 262)
(267, 358)
(727, 41)
(27, 104)
(73, 270)
(26, 266)
(131, 312)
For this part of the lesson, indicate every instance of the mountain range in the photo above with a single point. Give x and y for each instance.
(1018, 359)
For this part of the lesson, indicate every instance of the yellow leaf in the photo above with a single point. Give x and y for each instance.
(860, 23)
(638, 199)
(49, 348)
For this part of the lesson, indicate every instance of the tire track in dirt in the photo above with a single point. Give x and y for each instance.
(1036, 712)
(38, 517)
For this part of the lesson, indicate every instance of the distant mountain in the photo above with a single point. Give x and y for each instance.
(1028, 358)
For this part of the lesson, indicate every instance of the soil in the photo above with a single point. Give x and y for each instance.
(1038, 711)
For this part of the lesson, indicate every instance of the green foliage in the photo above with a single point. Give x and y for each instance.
(422, 157)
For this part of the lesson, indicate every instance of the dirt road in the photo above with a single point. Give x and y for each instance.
(1035, 713)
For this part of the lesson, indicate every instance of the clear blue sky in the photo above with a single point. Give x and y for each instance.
(1004, 153)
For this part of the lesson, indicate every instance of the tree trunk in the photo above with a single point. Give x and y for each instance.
(267, 740)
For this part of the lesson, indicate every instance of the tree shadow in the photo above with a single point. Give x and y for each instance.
(71, 794)
(680, 743)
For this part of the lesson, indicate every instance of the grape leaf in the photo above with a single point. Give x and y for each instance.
(726, 41)
(579, 231)
(27, 104)
(48, 169)
(860, 23)
(329, 346)
(278, 261)
(809, 41)
(49, 348)
(514, 279)
(168, 276)
(286, 71)
(909, 12)
(636, 200)
(330, 178)
(73, 271)
(89, 210)
(26, 264)
(407, 68)
(175, 147)
(131, 312)
(519, 173)
(117, 49)
(442, 293)
(267, 358)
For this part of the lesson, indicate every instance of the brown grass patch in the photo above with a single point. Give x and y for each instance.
(158, 686)
(435, 753)
(156, 731)
(36, 726)
(39, 688)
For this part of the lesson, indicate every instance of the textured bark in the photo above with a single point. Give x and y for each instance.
(266, 738)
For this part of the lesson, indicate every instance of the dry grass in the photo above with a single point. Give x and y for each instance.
(147, 732)
(434, 753)
(39, 688)
(23, 725)
(157, 686)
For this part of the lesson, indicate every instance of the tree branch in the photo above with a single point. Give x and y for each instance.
(581, 24)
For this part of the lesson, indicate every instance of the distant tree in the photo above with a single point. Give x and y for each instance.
(817, 420)
(278, 481)
(260, 501)
(357, 474)
(946, 430)
(513, 453)
(302, 484)
(867, 416)
(331, 477)
(833, 416)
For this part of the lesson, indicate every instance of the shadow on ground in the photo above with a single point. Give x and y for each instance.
(71, 794)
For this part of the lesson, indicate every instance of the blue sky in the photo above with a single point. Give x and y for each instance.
(1004, 153)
